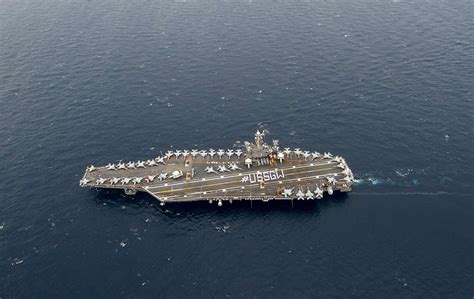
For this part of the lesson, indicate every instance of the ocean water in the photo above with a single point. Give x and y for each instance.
(386, 84)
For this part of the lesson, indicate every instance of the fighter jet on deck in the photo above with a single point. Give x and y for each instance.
(287, 192)
(210, 169)
(319, 193)
(114, 181)
(327, 155)
(137, 180)
(125, 181)
(100, 181)
(238, 153)
(169, 154)
(306, 154)
(212, 153)
(220, 153)
(84, 182)
(150, 162)
(160, 160)
(331, 180)
(315, 155)
(162, 176)
(222, 168)
(234, 166)
(300, 194)
(297, 151)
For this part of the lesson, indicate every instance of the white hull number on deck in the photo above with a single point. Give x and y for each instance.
(264, 176)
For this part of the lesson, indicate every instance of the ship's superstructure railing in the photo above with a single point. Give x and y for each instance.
(260, 153)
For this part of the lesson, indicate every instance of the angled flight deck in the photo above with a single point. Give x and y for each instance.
(260, 172)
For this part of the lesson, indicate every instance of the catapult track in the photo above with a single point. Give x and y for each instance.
(260, 173)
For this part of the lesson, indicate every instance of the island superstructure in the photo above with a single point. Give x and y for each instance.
(258, 172)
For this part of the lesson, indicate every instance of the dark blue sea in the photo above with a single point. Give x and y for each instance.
(386, 84)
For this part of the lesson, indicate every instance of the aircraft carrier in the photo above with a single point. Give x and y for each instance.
(258, 172)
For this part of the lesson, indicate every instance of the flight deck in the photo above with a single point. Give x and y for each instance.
(258, 172)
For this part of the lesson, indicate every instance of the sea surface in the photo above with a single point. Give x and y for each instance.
(386, 84)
